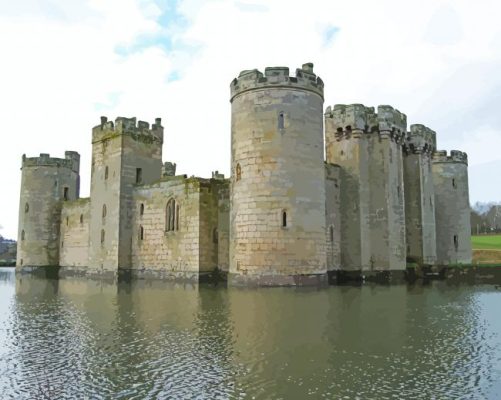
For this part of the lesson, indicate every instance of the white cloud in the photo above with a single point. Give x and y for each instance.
(66, 64)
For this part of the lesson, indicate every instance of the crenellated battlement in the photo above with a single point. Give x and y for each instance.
(140, 130)
(304, 79)
(420, 139)
(45, 160)
(356, 119)
(455, 156)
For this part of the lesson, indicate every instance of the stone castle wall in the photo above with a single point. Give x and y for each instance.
(74, 233)
(333, 216)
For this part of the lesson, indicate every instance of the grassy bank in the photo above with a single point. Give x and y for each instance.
(486, 249)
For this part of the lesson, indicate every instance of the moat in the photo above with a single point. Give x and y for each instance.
(85, 338)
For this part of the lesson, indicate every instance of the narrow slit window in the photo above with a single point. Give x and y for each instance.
(26, 207)
(81, 218)
(331, 234)
(65, 193)
(284, 219)
(141, 209)
(456, 242)
(102, 236)
(281, 120)
(67, 221)
(454, 185)
(23, 235)
(104, 211)
(141, 232)
(215, 236)
(238, 172)
(106, 172)
(177, 217)
(139, 175)
(170, 217)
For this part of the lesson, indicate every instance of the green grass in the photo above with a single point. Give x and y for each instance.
(486, 242)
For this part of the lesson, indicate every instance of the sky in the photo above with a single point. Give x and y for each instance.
(64, 63)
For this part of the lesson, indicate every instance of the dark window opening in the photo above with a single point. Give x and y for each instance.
(22, 235)
(215, 236)
(171, 219)
(81, 218)
(106, 172)
(177, 217)
(104, 211)
(62, 243)
(284, 219)
(67, 221)
(102, 236)
(454, 185)
(26, 207)
(456, 242)
(65, 193)
(281, 120)
(141, 232)
(239, 172)
(332, 234)
(141, 209)
(21, 261)
(139, 175)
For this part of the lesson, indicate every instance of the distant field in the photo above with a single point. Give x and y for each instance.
(486, 242)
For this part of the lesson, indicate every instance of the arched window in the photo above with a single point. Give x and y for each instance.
(281, 120)
(170, 215)
(215, 236)
(331, 233)
(284, 219)
(22, 234)
(238, 172)
(26, 207)
(141, 232)
(106, 172)
(81, 218)
(141, 209)
(102, 237)
(104, 212)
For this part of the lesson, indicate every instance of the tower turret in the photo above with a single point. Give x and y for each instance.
(452, 207)
(46, 182)
(124, 154)
(420, 195)
(368, 147)
(277, 217)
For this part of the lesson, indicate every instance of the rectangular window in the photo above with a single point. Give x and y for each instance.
(139, 175)
(65, 193)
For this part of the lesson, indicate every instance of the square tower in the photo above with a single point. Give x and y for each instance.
(125, 154)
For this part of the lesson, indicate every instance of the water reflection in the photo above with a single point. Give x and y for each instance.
(72, 338)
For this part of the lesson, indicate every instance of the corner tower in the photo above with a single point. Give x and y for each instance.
(452, 207)
(125, 154)
(420, 195)
(368, 148)
(46, 182)
(277, 217)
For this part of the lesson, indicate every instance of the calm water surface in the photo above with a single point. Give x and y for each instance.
(78, 338)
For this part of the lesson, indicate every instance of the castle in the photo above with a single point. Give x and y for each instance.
(382, 198)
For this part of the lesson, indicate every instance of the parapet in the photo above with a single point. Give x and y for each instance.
(455, 156)
(277, 77)
(169, 169)
(356, 119)
(217, 175)
(420, 139)
(140, 130)
(45, 160)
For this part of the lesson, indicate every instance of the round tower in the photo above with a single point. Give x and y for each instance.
(277, 217)
(45, 183)
(452, 207)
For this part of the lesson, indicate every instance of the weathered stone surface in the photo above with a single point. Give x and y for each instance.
(285, 217)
